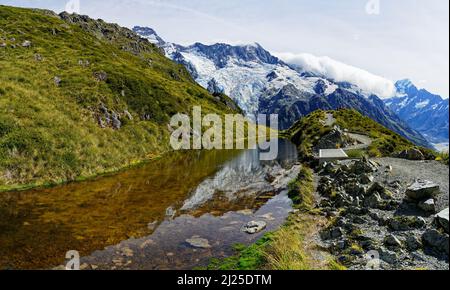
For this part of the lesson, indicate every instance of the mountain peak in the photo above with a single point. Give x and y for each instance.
(221, 53)
(405, 85)
(149, 34)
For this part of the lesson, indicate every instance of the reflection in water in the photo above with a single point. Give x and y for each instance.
(37, 227)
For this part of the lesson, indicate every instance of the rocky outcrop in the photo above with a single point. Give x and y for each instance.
(374, 214)
(411, 154)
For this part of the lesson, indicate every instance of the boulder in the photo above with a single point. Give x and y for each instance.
(413, 243)
(422, 189)
(334, 139)
(198, 242)
(442, 219)
(373, 201)
(254, 227)
(436, 240)
(366, 178)
(404, 223)
(116, 123)
(362, 166)
(427, 205)
(388, 256)
(393, 241)
(334, 233)
(411, 154)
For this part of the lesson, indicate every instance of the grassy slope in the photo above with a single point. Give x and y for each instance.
(50, 133)
(307, 131)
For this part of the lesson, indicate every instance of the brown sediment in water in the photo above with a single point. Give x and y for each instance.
(37, 227)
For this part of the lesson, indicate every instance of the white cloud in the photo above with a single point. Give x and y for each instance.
(341, 72)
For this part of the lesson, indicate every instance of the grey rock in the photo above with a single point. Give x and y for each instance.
(436, 240)
(373, 201)
(57, 80)
(427, 205)
(411, 154)
(388, 256)
(116, 123)
(26, 43)
(100, 76)
(413, 243)
(393, 241)
(403, 223)
(38, 57)
(376, 188)
(422, 189)
(198, 242)
(442, 219)
(366, 179)
(360, 167)
(2, 44)
(334, 233)
(254, 227)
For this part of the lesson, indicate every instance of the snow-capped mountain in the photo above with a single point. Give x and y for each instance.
(425, 112)
(261, 83)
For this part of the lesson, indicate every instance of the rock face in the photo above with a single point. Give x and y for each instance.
(254, 227)
(422, 189)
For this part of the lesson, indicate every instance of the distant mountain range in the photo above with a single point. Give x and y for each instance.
(261, 83)
(426, 112)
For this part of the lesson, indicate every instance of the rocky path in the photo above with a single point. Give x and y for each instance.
(363, 140)
(381, 217)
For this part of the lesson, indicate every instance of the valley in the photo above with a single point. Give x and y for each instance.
(88, 163)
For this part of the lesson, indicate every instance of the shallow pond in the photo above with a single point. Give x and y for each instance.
(147, 217)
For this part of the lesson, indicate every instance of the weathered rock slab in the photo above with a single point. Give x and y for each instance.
(422, 189)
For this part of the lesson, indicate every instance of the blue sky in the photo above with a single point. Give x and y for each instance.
(403, 39)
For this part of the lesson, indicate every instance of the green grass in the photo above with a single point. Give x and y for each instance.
(287, 247)
(301, 190)
(356, 153)
(50, 134)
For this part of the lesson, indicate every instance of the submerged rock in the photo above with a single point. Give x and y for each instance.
(198, 242)
(254, 227)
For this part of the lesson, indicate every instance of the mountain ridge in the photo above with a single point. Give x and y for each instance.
(263, 84)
